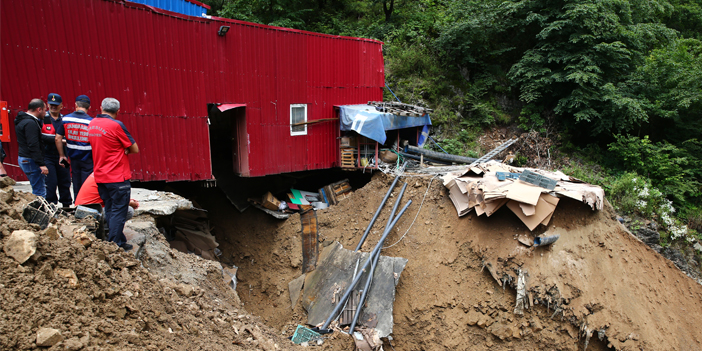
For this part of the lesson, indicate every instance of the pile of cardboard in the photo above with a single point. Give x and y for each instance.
(488, 186)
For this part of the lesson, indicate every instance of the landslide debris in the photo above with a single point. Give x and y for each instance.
(598, 286)
(73, 294)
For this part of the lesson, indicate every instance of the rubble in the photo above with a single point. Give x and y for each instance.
(76, 297)
(21, 245)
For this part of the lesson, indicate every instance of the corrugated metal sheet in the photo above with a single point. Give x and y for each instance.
(165, 68)
(185, 7)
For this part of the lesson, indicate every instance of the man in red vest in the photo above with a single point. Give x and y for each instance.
(111, 143)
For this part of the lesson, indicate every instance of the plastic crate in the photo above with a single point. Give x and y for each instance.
(303, 334)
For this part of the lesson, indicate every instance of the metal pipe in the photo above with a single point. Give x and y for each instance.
(377, 248)
(374, 264)
(439, 156)
(364, 294)
(370, 225)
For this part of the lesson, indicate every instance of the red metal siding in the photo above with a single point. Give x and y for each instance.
(165, 68)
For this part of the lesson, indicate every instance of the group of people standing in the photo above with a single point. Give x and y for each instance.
(92, 148)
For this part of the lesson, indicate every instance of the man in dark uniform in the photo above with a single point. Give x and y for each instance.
(74, 128)
(59, 175)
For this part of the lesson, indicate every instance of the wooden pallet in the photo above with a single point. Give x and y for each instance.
(347, 158)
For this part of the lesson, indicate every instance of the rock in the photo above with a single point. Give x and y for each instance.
(184, 289)
(21, 245)
(45, 272)
(6, 194)
(6, 181)
(68, 274)
(536, 325)
(132, 338)
(47, 337)
(51, 231)
(83, 236)
(484, 321)
(648, 236)
(502, 331)
(474, 317)
(67, 230)
(72, 344)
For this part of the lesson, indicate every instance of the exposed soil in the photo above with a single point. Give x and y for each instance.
(597, 286)
(115, 302)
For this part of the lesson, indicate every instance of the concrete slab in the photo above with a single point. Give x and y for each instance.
(158, 203)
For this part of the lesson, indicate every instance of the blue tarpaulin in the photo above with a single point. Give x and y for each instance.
(371, 123)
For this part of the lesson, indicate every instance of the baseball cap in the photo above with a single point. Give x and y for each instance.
(83, 98)
(54, 99)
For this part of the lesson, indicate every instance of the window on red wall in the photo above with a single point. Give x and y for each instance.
(298, 116)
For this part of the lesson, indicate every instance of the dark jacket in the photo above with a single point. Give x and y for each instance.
(28, 131)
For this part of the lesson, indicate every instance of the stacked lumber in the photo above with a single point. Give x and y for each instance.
(533, 196)
(193, 234)
(400, 109)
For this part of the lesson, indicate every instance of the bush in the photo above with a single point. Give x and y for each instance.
(668, 166)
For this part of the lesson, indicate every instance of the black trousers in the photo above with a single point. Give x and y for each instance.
(116, 197)
(58, 177)
(80, 170)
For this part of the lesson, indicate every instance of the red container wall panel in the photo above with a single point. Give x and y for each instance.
(166, 68)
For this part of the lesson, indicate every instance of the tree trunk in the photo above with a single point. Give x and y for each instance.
(388, 12)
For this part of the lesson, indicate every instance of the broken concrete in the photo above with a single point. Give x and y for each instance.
(159, 203)
(21, 245)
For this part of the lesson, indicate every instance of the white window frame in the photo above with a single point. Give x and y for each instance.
(304, 132)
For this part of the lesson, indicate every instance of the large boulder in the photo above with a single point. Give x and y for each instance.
(21, 245)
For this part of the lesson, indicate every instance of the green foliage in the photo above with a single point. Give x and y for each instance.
(669, 167)
(462, 144)
(670, 86)
(583, 54)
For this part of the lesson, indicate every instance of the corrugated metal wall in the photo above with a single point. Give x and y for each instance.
(165, 69)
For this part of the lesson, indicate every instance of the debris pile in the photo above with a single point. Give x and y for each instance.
(63, 289)
(189, 231)
(300, 200)
(532, 194)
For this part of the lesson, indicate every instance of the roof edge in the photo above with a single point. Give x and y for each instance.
(229, 20)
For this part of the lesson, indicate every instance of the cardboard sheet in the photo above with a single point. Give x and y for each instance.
(492, 206)
(523, 192)
(544, 208)
(528, 210)
(460, 200)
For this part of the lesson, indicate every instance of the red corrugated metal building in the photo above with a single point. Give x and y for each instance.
(170, 71)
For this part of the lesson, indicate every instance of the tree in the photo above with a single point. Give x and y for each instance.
(584, 54)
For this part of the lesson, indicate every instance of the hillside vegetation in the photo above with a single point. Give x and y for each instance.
(616, 86)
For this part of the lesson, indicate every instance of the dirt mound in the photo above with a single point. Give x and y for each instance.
(99, 297)
(597, 286)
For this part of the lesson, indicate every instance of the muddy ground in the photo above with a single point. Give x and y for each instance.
(598, 285)
(99, 297)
